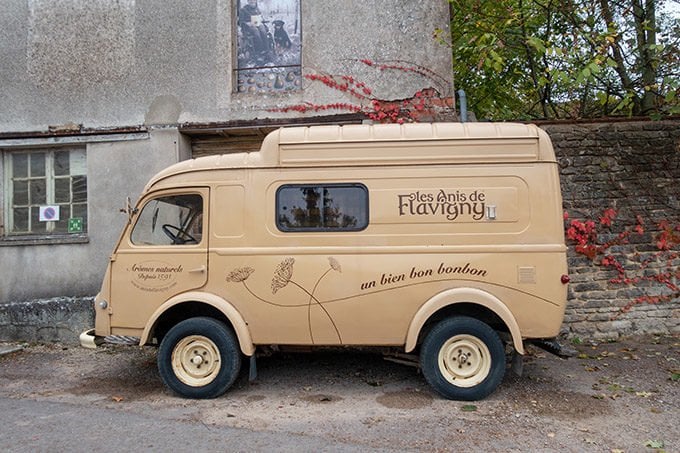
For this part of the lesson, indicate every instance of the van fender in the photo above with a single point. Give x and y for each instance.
(457, 296)
(240, 327)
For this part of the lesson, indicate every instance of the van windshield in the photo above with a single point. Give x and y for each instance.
(170, 220)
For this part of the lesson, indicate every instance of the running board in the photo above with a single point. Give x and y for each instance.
(122, 339)
(552, 346)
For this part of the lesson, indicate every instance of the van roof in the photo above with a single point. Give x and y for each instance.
(382, 144)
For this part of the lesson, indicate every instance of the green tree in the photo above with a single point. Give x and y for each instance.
(524, 59)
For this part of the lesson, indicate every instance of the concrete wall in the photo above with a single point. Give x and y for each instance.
(116, 170)
(75, 65)
(104, 63)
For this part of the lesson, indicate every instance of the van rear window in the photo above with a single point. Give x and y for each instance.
(327, 207)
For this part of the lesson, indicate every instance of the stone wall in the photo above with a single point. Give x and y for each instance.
(632, 167)
(60, 319)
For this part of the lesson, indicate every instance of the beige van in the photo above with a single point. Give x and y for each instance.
(443, 240)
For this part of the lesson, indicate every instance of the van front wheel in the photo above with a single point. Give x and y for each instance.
(199, 358)
(463, 358)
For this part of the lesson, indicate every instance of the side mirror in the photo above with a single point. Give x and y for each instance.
(128, 209)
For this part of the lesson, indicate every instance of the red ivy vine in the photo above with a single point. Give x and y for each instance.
(425, 103)
(658, 267)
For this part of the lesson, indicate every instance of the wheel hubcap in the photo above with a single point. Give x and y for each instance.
(464, 360)
(196, 360)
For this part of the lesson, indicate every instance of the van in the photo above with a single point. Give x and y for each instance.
(443, 241)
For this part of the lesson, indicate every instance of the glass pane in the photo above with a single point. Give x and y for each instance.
(37, 164)
(36, 225)
(20, 193)
(38, 192)
(78, 162)
(20, 220)
(62, 190)
(173, 220)
(61, 226)
(79, 184)
(297, 207)
(61, 163)
(80, 210)
(322, 208)
(19, 165)
(345, 208)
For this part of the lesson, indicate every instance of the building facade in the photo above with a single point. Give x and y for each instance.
(97, 96)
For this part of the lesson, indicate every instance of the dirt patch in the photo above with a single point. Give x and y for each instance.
(135, 377)
(405, 399)
(255, 398)
(567, 405)
(321, 398)
(611, 396)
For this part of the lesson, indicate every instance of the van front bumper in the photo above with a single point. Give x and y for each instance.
(89, 340)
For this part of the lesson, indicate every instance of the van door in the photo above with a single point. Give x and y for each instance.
(164, 252)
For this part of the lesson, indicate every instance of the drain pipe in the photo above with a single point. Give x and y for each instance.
(462, 99)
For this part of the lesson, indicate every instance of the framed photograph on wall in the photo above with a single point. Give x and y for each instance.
(269, 46)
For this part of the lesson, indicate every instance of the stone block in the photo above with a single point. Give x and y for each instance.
(54, 320)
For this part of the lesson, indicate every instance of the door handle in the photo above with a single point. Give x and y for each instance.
(198, 269)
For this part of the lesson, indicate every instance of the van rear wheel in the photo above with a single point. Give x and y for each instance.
(199, 358)
(463, 358)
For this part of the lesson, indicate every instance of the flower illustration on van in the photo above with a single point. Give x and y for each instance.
(334, 264)
(283, 275)
(240, 275)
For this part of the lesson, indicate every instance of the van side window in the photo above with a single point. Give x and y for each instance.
(327, 207)
(170, 220)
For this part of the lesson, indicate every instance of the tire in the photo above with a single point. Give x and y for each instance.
(199, 358)
(463, 358)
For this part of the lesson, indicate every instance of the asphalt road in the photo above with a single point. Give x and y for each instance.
(37, 426)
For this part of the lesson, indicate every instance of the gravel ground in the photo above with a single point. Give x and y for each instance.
(612, 397)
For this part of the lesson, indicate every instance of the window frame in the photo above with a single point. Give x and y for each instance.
(365, 206)
(49, 233)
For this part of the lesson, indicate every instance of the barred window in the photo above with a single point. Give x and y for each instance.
(328, 207)
(46, 191)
